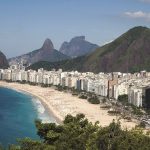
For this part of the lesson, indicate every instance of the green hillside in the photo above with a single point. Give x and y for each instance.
(128, 53)
(68, 65)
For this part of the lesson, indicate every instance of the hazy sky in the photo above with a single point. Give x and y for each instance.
(25, 24)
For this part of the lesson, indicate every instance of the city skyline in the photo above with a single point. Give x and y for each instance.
(25, 25)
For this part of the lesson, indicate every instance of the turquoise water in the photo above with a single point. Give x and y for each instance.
(18, 112)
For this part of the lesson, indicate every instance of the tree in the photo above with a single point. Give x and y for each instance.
(28, 144)
(141, 125)
(49, 132)
(114, 138)
(123, 98)
(94, 100)
(77, 133)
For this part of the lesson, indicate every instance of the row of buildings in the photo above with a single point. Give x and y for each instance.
(110, 85)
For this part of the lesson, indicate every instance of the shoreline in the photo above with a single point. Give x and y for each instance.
(59, 104)
(50, 112)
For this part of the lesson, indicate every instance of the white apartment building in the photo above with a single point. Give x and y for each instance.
(1, 74)
(91, 85)
(72, 82)
(56, 79)
(33, 76)
(135, 96)
(102, 87)
(120, 89)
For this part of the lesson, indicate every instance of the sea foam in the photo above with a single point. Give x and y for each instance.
(43, 114)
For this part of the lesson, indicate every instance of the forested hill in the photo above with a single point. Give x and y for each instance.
(66, 65)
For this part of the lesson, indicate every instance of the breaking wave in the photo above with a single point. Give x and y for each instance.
(42, 113)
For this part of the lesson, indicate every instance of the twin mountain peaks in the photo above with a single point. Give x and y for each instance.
(128, 53)
(76, 47)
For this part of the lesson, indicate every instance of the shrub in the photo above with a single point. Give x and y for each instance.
(94, 100)
(83, 97)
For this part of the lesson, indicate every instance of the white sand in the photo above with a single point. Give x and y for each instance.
(61, 104)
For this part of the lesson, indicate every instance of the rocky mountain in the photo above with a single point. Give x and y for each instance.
(78, 46)
(45, 53)
(3, 61)
(128, 53)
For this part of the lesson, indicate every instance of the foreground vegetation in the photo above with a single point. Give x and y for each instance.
(77, 133)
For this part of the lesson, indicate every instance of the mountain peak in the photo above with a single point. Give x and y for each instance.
(77, 46)
(3, 61)
(138, 28)
(78, 38)
(137, 31)
(45, 53)
(48, 45)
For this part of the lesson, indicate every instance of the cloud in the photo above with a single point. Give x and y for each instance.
(138, 15)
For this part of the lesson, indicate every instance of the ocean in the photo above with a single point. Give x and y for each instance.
(18, 112)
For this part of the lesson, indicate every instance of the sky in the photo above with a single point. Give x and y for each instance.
(25, 24)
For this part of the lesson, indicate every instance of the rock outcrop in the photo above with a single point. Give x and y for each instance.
(78, 46)
(3, 61)
(45, 53)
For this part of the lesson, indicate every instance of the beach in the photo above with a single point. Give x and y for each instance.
(60, 104)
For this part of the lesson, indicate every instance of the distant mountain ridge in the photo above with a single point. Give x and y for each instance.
(128, 53)
(45, 53)
(77, 46)
(3, 61)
